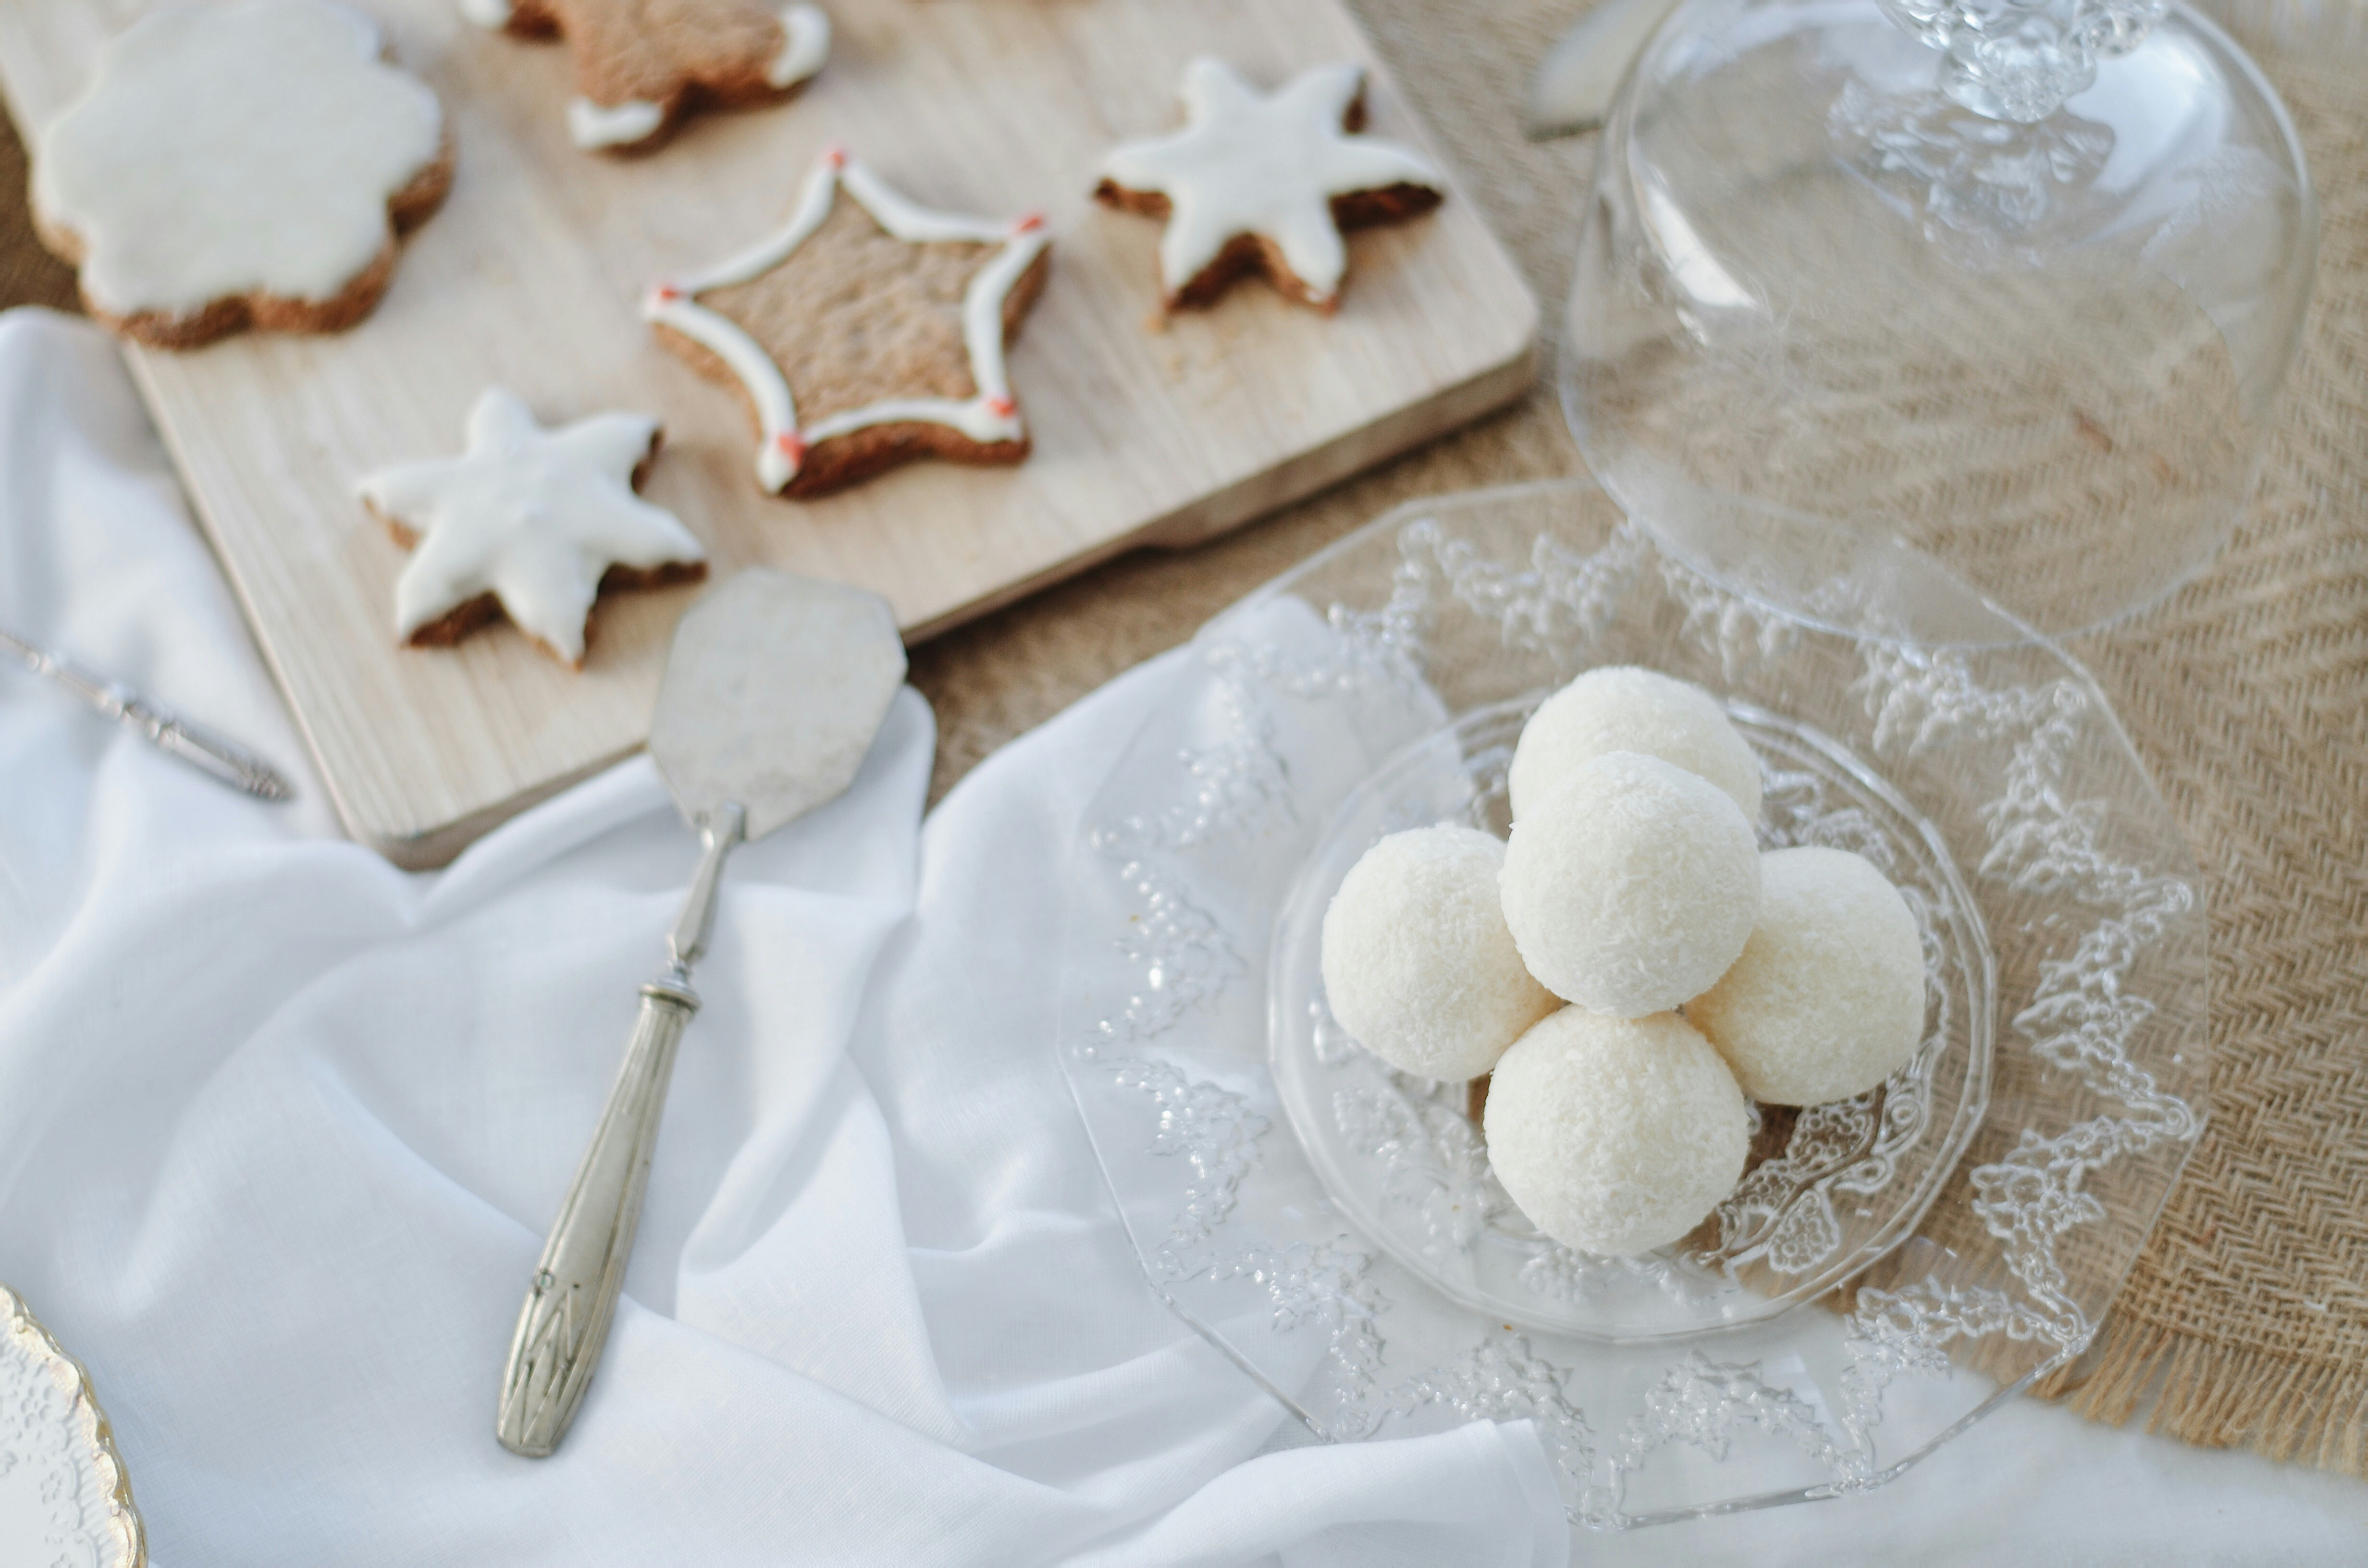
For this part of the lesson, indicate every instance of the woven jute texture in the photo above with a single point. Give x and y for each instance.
(2246, 1319)
(2246, 1322)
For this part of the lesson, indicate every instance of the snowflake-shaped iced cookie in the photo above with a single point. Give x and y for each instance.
(1259, 182)
(239, 165)
(640, 66)
(531, 521)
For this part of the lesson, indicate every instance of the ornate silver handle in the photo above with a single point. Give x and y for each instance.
(230, 764)
(564, 1323)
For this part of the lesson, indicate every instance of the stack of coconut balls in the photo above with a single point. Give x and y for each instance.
(1696, 970)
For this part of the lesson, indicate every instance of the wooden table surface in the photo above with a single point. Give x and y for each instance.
(998, 676)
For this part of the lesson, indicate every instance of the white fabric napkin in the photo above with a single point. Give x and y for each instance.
(282, 1128)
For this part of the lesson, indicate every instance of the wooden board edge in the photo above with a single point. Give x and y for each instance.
(135, 363)
(438, 846)
(1261, 495)
(413, 850)
(406, 848)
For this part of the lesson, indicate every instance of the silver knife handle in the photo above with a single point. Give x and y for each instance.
(225, 760)
(231, 764)
(566, 1320)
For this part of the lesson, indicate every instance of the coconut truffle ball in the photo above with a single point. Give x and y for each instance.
(1828, 999)
(1625, 708)
(1615, 1135)
(1417, 960)
(1632, 885)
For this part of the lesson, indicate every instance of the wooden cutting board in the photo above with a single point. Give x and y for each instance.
(1146, 433)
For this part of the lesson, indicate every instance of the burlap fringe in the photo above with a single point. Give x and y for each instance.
(2220, 1397)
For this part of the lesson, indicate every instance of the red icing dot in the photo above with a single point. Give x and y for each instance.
(667, 293)
(1002, 406)
(834, 156)
(1029, 224)
(793, 446)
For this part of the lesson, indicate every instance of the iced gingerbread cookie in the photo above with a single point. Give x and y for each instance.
(529, 522)
(864, 332)
(640, 65)
(239, 165)
(1267, 182)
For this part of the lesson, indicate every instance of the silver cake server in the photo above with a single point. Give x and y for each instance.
(773, 691)
(209, 754)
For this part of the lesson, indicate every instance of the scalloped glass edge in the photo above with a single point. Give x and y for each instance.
(1172, 961)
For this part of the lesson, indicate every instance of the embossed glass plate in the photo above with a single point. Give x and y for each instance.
(65, 1499)
(1828, 1191)
(2005, 751)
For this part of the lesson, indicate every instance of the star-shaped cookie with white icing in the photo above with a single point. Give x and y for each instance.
(640, 65)
(864, 332)
(1267, 182)
(532, 522)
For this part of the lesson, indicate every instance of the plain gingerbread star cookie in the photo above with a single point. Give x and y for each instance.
(239, 165)
(640, 65)
(1257, 182)
(529, 521)
(864, 332)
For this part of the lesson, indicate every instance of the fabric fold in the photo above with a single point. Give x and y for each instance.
(282, 1128)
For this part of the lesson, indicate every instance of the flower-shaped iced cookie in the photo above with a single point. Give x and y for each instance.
(239, 165)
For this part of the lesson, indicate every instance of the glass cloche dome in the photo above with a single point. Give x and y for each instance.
(1868, 286)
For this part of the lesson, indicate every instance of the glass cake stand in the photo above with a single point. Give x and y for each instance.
(2011, 284)
(1339, 1236)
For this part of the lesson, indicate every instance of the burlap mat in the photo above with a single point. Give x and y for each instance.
(2247, 1320)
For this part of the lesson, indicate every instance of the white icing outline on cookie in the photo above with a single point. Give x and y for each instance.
(225, 152)
(613, 125)
(805, 49)
(1252, 163)
(805, 46)
(491, 15)
(534, 517)
(991, 415)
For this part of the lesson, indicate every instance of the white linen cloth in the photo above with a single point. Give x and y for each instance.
(282, 1128)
